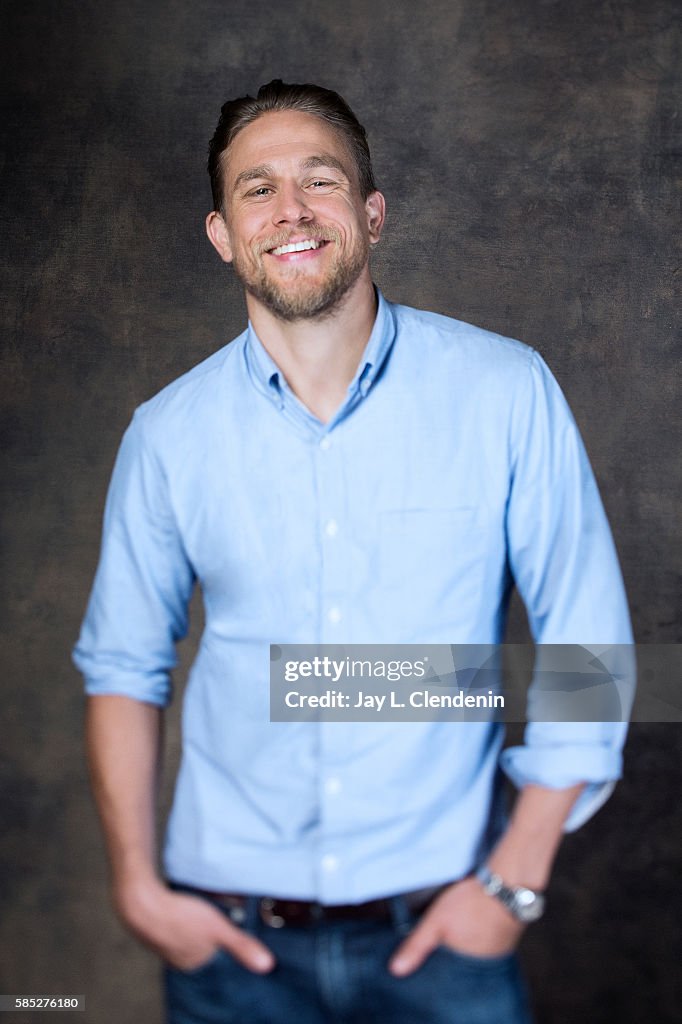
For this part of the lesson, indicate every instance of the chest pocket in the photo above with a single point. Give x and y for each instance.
(431, 555)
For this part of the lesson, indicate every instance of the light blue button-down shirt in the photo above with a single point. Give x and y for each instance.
(453, 466)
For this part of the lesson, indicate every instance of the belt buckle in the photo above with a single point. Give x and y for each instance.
(267, 913)
(277, 913)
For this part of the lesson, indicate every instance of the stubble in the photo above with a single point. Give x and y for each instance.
(300, 296)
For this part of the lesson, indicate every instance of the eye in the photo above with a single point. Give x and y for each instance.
(262, 190)
(321, 183)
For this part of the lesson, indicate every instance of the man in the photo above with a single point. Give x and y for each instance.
(347, 470)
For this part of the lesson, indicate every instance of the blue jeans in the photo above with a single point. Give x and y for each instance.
(335, 973)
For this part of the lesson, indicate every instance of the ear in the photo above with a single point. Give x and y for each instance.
(375, 207)
(219, 236)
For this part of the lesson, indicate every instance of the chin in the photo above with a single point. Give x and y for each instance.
(290, 307)
(314, 299)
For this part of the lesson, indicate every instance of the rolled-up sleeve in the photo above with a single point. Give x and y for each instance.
(565, 566)
(138, 608)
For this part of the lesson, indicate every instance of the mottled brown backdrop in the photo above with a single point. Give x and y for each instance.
(527, 149)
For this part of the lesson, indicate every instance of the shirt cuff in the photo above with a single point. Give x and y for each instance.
(152, 689)
(563, 766)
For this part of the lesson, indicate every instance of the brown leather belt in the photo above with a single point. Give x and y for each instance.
(280, 912)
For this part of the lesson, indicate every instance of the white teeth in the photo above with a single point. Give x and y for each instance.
(296, 247)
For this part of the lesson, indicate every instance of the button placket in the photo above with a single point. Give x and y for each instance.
(333, 558)
(333, 541)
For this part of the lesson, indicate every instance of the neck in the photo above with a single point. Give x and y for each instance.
(320, 357)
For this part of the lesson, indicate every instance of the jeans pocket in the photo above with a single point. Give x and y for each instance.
(204, 967)
(498, 962)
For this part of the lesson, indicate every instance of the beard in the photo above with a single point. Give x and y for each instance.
(303, 296)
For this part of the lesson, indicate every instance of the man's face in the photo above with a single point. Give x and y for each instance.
(295, 225)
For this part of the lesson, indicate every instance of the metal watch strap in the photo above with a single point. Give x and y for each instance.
(524, 904)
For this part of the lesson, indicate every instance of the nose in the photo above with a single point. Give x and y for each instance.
(291, 207)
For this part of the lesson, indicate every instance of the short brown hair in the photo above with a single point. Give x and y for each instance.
(276, 96)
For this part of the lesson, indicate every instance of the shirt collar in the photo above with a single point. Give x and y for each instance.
(267, 376)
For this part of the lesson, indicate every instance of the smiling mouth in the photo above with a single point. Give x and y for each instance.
(307, 243)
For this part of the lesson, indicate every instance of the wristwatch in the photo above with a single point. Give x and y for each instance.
(524, 904)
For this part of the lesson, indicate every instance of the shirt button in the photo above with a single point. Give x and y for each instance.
(333, 786)
(332, 528)
(325, 443)
(334, 614)
(330, 862)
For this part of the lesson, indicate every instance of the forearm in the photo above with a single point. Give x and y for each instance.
(526, 851)
(464, 917)
(123, 742)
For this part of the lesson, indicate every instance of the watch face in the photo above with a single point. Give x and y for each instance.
(528, 905)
